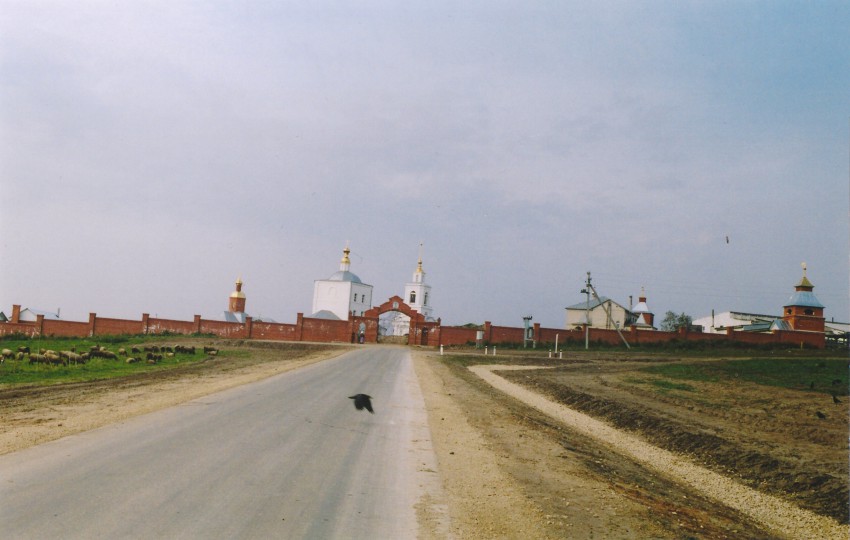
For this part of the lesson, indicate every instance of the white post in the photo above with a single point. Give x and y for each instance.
(485, 351)
(561, 355)
(441, 350)
(550, 353)
(494, 350)
(556, 342)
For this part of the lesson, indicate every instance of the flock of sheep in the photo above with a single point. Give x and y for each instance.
(149, 353)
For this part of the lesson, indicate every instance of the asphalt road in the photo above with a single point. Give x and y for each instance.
(287, 457)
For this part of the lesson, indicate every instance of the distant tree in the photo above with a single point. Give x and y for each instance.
(672, 321)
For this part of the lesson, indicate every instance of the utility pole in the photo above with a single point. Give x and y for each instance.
(586, 291)
(607, 312)
(525, 333)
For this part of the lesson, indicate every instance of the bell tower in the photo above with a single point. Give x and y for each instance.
(803, 310)
(417, 292)
(237, 298)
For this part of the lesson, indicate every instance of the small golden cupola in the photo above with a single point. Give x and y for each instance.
(237, 298)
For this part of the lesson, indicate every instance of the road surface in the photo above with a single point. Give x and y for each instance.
(287, 457)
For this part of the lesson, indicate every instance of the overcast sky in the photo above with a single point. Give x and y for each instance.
(153, 152)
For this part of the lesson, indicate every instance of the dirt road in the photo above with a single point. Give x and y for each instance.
(512, 471)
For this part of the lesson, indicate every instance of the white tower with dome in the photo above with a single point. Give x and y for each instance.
(341, 294)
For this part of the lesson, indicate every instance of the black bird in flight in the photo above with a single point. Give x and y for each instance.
(362, 401)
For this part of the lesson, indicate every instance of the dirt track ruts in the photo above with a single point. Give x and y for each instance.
(775, 514)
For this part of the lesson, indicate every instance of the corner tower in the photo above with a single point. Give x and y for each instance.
(803, 310)
(237, 299)
(643, 317)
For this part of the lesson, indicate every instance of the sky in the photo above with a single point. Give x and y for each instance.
(153, 152)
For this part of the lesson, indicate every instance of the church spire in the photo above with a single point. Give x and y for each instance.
(345, 263)
(419, 274)
(804, 284)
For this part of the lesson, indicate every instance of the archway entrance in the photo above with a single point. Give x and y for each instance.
(397, 322)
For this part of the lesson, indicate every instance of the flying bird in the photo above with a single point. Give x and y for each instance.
(362, 401)
(727, 239)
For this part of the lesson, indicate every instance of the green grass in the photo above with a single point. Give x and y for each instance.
(811, 374)
(13, 372)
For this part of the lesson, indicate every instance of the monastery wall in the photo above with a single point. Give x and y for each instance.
(426, 334)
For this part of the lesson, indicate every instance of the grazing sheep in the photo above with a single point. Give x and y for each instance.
(19, 356)
(131, 360)
(24, 349)
(135, 350)
(37, 358)
(55, 359)
(71, 356)
(7, 353)
(122, 351)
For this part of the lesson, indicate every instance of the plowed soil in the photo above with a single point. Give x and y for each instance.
(763, 437)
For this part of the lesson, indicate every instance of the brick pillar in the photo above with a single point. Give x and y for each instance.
(197, 323)
(145, 318)
(412, 338)
(92, 321)
(488, 331)
(39, 324)
(16, 313)
(249, 326)
(299, 326)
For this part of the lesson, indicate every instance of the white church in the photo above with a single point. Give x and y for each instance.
(341, 294)
(344, 292)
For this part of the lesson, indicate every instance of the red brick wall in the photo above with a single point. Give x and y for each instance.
(224, 329)
(452, 335)
(65, 329)
(159, 326)
(323, 330)
(25, 328)
(114, 327)
(275, 331)
(326, 330)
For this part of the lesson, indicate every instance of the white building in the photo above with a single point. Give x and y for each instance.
(31, 315)
(341, 294)
(718, 323)
(577, 314)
